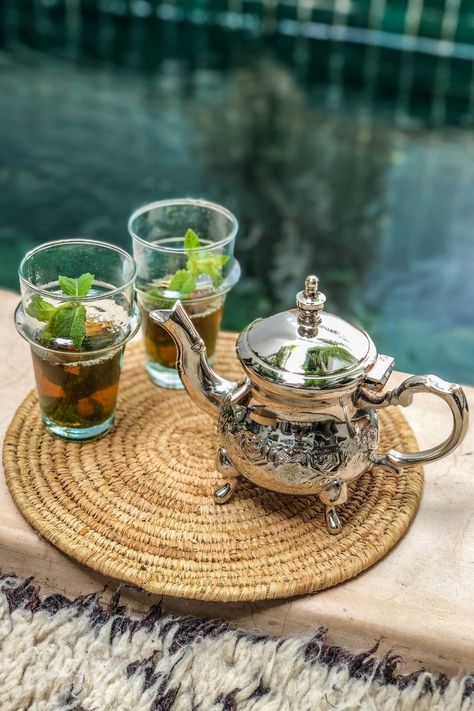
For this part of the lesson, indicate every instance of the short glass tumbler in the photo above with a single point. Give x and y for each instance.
(183, 249)
(77, 340)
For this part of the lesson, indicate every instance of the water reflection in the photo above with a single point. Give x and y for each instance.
(321, 179)
(309, 185)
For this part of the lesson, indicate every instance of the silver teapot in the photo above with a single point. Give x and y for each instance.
(304, 418)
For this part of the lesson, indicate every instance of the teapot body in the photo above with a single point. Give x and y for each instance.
(302, 452)
(304, 419)
(317, 443)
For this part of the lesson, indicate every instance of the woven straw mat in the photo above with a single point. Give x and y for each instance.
(137, 504)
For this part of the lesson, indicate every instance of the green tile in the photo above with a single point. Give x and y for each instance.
(318, 61)
(253, 8)
(188, 5)
(55, 21)
(90, 24)
(26, 23)
(354, 65)
(118, 29)
(461, 77)
(359, 14)
(152, 46)
(325, 17)
(432, 18)
(286, 12)
(458, 110)
(394, 17)
(217, 5)
(388, 63)
(465, 28)
(425, 73)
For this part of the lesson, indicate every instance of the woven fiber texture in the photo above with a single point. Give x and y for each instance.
(58, 654)
(137, 505)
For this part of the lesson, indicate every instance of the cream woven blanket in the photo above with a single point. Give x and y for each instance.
(80, 655)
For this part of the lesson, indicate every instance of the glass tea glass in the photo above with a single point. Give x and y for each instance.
(183, 249)
(77, 312)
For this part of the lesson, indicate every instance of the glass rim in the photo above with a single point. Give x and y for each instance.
(134, 319)
(215, 295)
(78, 241)
(189, 202)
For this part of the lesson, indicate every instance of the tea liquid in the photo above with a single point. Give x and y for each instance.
(79, 392)
(160, 346)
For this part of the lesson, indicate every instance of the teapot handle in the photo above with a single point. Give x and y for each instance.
(403, 395)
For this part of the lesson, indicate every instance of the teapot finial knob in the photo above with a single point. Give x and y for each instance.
(311, 284)
(309, 302)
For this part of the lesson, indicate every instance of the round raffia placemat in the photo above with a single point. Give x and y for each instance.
(137, 504)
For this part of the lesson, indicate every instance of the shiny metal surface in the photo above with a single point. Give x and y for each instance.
(274, 349)
(304, 421)
(224, 465)
(380, 372)
(309, 302)
(451, 393)
(306, 348)
(204, 386)
(296, 457)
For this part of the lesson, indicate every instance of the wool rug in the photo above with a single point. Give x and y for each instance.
(58, 654)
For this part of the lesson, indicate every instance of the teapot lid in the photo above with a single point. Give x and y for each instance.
(306, 347)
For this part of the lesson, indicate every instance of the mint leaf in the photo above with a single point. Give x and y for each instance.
(178, 279)
(156, 298)
(76, 287)
(198, 263)
(189, 285)
(40, 309)
(212, 266)
(191, 240)
(68, 321)
(155, 293)
(182, 281)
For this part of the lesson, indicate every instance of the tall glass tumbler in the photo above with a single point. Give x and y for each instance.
(183, 249)
(77, 312)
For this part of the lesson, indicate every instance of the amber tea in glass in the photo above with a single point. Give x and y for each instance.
(77, 313)
(206, 317)
(79, 390)
(183, 250)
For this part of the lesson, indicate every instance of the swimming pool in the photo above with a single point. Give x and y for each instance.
(339, 153)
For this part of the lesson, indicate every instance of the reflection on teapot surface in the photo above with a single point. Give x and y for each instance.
(327, 357)
(297, 457)
(303, 420)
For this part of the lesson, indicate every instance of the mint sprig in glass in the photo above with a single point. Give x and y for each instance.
(184, 249)
(66, 322)
(77, 312)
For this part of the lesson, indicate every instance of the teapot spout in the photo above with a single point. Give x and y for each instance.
(204, 386)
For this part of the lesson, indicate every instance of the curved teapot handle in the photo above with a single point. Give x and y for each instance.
(403, 395)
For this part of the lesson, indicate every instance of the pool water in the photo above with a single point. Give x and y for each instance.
(375, 198)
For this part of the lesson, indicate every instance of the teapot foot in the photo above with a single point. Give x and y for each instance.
(333, 522)
(225, 492)
(224, 464)
(334, 494)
